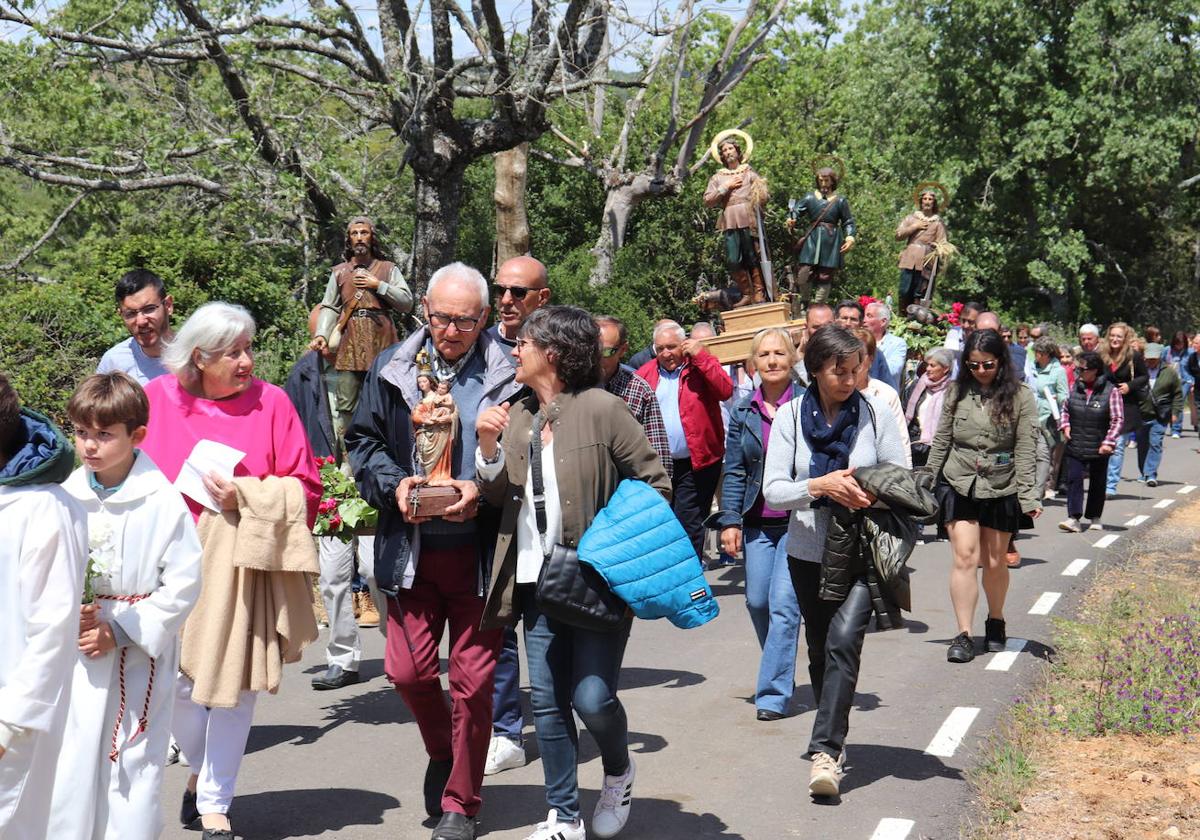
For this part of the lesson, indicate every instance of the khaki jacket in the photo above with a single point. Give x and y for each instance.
(976, 456)
(597, 443)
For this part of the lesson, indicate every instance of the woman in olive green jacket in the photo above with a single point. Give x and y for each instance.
(585, 441)
(985, 450)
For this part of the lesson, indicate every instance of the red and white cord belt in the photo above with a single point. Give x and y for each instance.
(144, 720)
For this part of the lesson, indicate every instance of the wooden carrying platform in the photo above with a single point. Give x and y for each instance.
(732, 346)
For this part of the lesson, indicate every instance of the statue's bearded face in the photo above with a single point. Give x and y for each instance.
(731, 155)
(928, 203)
(360, 237)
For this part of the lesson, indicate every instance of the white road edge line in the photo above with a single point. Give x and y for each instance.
(1106, 541)
(1187, 488)
(1164, 503)
(1076, 566)
(947, 739)
(1045, 603)
(1004, 660)
(892, 828)
(1136, 521)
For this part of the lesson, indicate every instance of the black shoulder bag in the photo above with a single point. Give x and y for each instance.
(568, 590)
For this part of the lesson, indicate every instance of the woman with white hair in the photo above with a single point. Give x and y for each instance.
(212, 395)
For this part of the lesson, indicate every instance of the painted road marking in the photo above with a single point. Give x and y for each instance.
(1076, 566)
(1045, 603)
(1136, 521)
(1165, 503)
(892, 828)
(947, 739)
(1187, 488)
(1106, 541)
(1004, 660)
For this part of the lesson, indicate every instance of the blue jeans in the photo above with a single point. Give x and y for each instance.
(507, 720)
(1177, 426)
(775, 614)
(573, 669)
(1117, 460)
(1150, 438)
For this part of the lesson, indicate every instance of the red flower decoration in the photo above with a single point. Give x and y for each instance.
(863, 300)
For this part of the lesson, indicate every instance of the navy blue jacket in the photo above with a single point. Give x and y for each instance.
(306, 389)
(744, 459)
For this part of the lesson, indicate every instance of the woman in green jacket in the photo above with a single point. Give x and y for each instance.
(984, 450)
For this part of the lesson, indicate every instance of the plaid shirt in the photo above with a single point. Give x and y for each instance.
(639, 396)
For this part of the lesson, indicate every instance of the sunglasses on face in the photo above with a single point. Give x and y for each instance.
(981, 365)
(517, 292)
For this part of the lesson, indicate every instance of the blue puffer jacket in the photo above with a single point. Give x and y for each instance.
(642, 552)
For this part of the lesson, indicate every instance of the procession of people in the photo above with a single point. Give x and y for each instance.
(159, 587)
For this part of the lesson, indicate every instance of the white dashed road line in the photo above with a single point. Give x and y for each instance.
(1076, 566)
(1136, 521)
(1187, 488)
(1045, 603)
(1004, 660)
(1106, 541)
(892, 828)
(947, 739)
(1165, 503)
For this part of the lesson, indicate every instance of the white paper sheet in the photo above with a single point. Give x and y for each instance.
(207, 456)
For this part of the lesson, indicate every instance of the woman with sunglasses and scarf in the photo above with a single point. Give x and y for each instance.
(985, 450)
(817, 441)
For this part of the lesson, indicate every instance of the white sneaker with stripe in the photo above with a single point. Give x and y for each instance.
(612, 811)
(552, 829)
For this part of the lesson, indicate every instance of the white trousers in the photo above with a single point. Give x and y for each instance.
(337, 573)
(214, 741)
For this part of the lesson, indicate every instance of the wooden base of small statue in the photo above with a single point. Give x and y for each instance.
(432, 501)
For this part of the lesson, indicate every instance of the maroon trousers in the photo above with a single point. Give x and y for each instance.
(444, 594)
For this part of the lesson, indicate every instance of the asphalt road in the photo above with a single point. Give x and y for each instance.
(348, 764)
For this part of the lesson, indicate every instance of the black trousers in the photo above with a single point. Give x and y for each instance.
(692, 494)
(1096, 471)
(834, 632)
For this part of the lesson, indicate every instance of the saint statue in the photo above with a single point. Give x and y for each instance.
(435, 422)
(740, 193)
(925, 236)
(828, 232)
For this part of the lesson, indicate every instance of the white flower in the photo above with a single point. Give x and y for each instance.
(101, 550)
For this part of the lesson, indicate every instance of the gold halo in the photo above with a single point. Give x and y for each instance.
(715, 148)
(820, 160)
(932, 186)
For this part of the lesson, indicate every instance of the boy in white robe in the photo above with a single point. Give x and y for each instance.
(42, 554)
(145, 577)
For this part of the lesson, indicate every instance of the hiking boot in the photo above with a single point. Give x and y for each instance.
(993, 633)
(364, 609)
(961, 649)
(1070, 525)
(826, 776)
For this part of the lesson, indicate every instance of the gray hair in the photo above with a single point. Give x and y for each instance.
(668, 326)
(1090, 329)
(459, 271)
(617, 324)
(941, 356)
(1047, 345)
(885, 311)
(210, 331)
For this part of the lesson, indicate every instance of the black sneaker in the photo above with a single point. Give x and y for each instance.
(437, 774)
(334, 677)
(993, 631)
(962, 649)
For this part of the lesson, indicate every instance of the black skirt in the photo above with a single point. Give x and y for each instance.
(1002, 514)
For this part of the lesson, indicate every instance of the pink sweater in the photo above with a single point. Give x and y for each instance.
(261, 421)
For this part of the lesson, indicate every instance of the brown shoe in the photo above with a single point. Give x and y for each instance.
(319, 606)
(368, 615)
(1013, 558)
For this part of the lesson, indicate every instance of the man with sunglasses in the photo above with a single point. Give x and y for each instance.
(520, 287)
(145, 308)
(433, 569)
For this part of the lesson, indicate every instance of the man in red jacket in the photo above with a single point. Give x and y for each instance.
(690, 385)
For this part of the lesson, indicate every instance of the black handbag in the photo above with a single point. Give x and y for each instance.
(569, 590)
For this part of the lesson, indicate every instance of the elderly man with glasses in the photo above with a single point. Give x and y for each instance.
(145, 307)
(434, 569)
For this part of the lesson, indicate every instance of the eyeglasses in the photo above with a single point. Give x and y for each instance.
(609, 352)
(981, 365)
(517, 292)
(461, 323)
(148, 311)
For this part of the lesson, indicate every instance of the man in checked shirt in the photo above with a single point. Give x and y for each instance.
(635, 391)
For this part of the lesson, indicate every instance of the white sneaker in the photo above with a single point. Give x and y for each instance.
(1175, 435)
(826, 776)
(552, 829)
(612, 811)
(1095, 526)
(1070, 525)
(503, 754)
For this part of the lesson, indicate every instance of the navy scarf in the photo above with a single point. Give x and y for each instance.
(830, 445)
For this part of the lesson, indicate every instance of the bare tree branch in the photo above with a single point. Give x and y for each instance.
(155, 182)
(45, 237)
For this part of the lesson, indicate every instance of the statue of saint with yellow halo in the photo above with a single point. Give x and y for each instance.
(741, 193)
(828, 229)
(924, 233)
